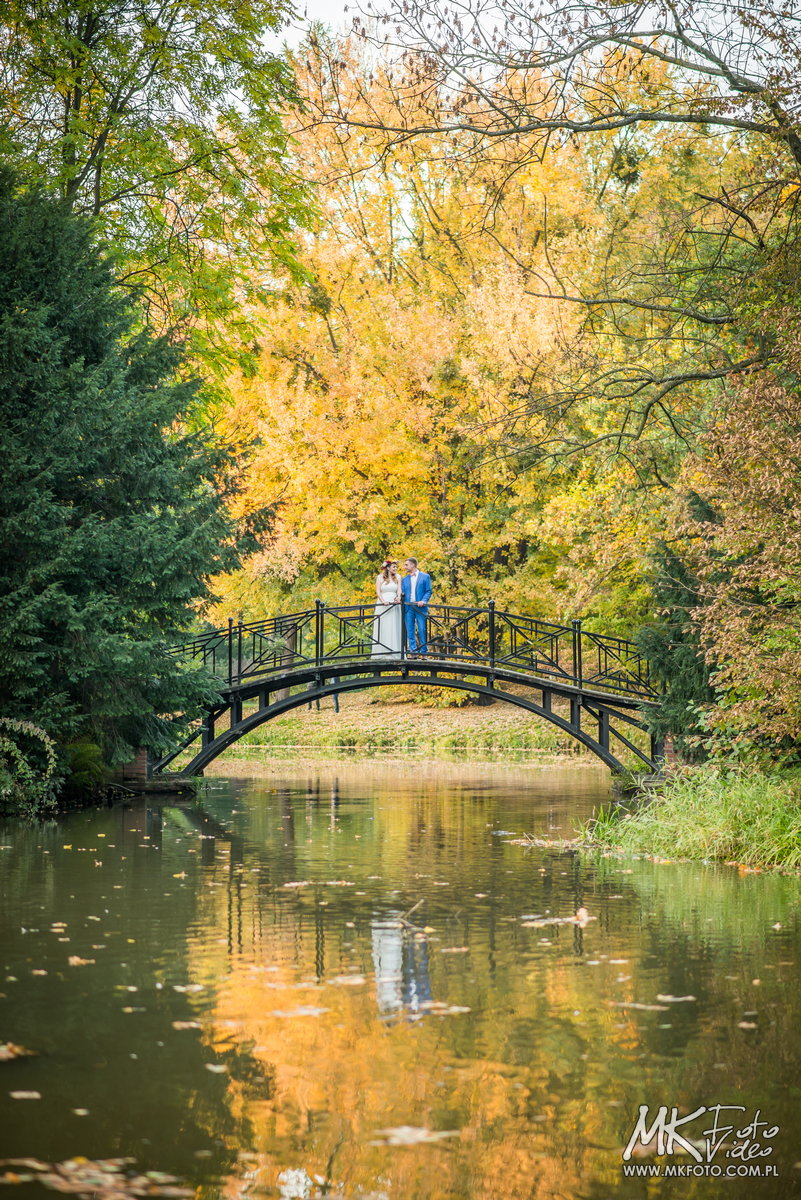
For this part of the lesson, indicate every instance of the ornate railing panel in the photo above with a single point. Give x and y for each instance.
(455, 634)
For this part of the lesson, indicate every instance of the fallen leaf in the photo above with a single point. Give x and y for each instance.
(643, 1007)
(10, 1050)
(75, 961)
(101, 1179)
(25, 1095)
(411, 1135)
(304, 1010)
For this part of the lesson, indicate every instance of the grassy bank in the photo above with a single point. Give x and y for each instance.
(744, 817)
(371, 727)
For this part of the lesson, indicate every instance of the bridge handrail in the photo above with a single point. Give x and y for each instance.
(459, 634)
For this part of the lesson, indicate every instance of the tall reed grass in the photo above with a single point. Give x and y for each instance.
(710, 813)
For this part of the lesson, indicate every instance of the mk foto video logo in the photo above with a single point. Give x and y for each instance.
(729, 1145)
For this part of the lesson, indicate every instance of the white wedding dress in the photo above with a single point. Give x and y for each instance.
(387, 621)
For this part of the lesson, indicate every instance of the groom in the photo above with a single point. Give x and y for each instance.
(416, 589)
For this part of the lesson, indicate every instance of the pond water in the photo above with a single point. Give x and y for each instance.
(353, 981)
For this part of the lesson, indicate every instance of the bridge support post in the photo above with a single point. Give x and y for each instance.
(662, 752)
(578, 672)
(603, 729)
(318, 631)
(492, 633)
(575, 712)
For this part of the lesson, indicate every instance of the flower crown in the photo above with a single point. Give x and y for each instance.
(388, 562)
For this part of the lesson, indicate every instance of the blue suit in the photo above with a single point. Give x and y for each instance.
(416, 616)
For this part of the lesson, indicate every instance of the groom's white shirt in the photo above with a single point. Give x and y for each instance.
(413, 588)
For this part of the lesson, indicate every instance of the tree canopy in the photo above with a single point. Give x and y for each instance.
(164, 120)
(113, 514)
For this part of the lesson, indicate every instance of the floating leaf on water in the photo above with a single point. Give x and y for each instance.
(10, 1050)
(746, 1025)
(75, 960)
(674, 999)
(104, 1179)
(297, 883)
(411, 1135)
(642, 1007)
(348, 980)
(216, 1068)
(25, 1095)
(186, 1025)
(441, 1009)
(303, 1010)
(454, 949)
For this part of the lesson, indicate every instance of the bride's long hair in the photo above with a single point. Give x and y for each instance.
(390, 562)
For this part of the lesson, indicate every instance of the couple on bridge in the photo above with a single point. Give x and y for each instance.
(415, 590)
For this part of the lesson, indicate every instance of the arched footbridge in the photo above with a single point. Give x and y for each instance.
(595, 688)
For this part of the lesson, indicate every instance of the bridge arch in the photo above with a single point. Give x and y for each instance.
(606, 712)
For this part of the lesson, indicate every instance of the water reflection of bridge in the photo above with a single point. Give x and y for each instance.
(595, 688)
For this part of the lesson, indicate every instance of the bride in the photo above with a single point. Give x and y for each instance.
(387, 619)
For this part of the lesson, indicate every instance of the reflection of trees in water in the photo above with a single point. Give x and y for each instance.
(544, 1076)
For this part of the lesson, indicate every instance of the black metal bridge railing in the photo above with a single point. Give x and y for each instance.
(458, 635)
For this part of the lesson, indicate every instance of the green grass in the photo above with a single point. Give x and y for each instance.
(710, 814)
(406, 737)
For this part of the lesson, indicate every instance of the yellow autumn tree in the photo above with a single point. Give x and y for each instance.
(435, 388)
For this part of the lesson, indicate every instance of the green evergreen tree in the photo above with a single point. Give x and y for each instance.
(673, 649)
(112, 514)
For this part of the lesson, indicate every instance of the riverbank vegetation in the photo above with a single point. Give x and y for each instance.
(520, 299)
(713, 814)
